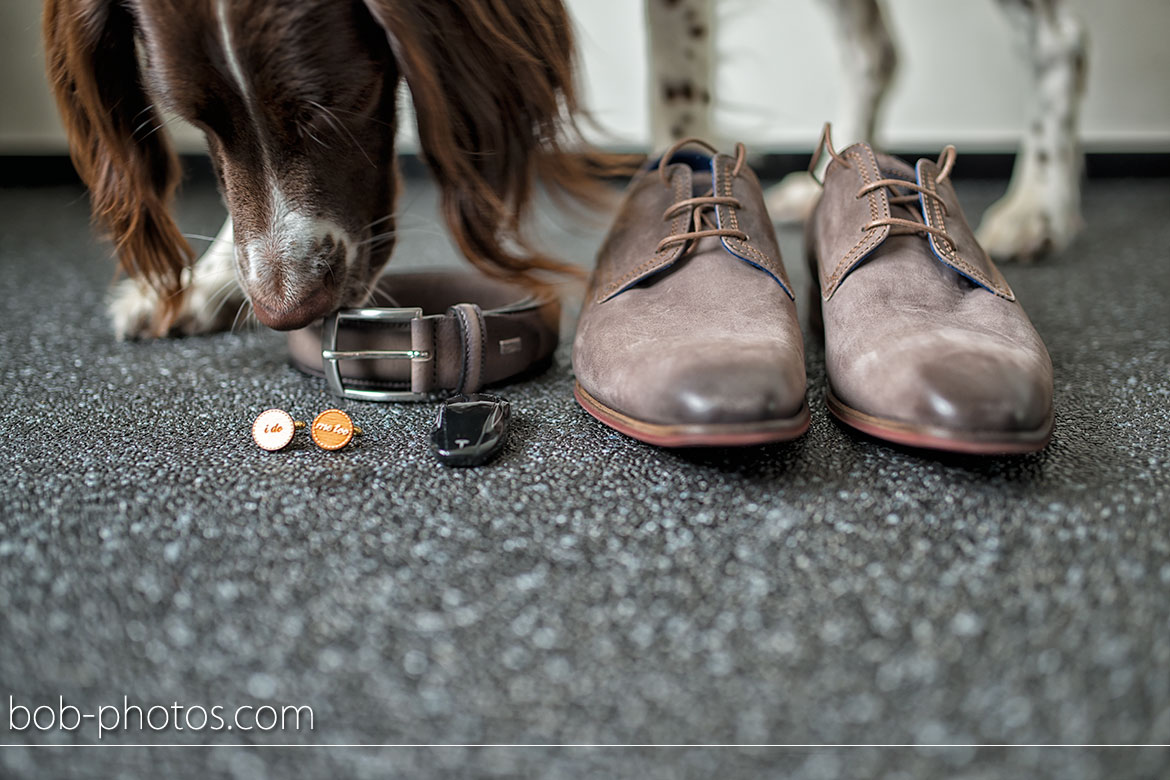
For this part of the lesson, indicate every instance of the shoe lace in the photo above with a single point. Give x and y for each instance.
(917, 225)
(700, 206)
(898, 225)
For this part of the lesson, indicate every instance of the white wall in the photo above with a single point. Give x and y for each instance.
(961, 80)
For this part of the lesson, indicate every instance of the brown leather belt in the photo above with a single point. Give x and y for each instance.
(426, 334)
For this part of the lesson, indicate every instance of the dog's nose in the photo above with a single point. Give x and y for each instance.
(312, 307)
(296, 284)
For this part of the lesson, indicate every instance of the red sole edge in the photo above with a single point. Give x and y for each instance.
(934, 439)
(727, 435)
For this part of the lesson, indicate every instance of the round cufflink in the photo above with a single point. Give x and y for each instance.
(332, 429)
(273, 429)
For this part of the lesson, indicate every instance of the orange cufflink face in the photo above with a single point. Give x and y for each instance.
(332, 429)
(273, 430)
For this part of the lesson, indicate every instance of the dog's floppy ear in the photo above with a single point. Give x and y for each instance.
(492, 84)
(115, 141)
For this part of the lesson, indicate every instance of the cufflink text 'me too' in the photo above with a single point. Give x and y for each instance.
(332, 429)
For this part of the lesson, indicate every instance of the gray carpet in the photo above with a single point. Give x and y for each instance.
(583, 588)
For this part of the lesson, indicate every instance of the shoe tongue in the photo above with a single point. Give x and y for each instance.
(911, 210)
(700, 183)
(893, 168)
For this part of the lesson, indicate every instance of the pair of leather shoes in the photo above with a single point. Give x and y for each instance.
(689, 334)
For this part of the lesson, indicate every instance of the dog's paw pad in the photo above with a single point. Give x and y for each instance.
(132, 308)
(794, 198)
(1017, 229)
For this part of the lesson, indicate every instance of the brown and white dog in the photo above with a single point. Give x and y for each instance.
(297, 99)
(1041, 210)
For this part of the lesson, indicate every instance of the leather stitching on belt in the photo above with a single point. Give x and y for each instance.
(473, 331)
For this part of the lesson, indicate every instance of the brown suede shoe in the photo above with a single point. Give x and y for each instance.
(925, 343)
(688, 335)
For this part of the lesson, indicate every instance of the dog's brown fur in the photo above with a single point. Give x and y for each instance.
(93, 69)
(492, 84)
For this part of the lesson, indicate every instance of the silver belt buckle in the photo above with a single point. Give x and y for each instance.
(331, 356)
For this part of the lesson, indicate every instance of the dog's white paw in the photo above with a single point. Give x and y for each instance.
(213, 299)
(132, 306)
(133, 309)
(794, 198)
(1024, 228)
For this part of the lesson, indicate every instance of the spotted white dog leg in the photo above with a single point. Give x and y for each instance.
(1041, 211)
(868, 59)
(682, 62)
(212, 303)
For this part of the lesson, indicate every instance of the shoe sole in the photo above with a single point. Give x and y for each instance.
(715, 435)
(934, 438)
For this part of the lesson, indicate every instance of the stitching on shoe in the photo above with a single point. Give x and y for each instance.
(663, 256)
(871, 239)
(742, 246)
(999, 287)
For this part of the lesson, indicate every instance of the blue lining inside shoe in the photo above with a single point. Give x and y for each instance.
(703, 161)
(698, 161)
